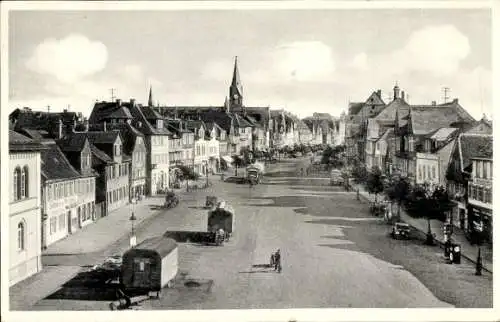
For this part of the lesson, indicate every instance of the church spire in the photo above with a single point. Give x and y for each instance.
(236, 90)
(236, 77)
(150, 100)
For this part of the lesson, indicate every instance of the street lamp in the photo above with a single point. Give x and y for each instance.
(133, 239)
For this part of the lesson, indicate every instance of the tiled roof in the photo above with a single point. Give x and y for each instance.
(425, 118)
(389, 112)
(107, 110)
(19, 142)
(241, 122)
(37, 135)
(194, 124)
(223, 119)
(146, 127)
(475, 146)
(73, 142)
(55, 165)
(150, 113)
(101, 137)
(354, 108)
(121, 113)
(128, 133)
(442, 133)
(99, 155)
(374, 99)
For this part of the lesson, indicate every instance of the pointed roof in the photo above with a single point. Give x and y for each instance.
(389, 112)
(474, 146)
(425, 118)
(55, 165)
(19, 142)
(150, 100)
(236, 82)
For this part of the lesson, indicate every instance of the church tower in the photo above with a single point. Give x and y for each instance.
(150, 100)
(236, 91)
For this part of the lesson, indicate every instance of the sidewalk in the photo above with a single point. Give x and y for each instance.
(468, 251)
(98, 235)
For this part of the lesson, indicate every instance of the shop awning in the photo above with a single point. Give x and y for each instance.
(227, 159)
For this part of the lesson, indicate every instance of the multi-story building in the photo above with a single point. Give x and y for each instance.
(217, 139)
(151, 124)
(412, 135)
(24, 207)
(68, 196)
(134, 146)
(200, 161)
(178, 127)
(459, 170)
(480, 197)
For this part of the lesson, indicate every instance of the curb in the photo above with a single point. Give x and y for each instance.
(439, 242)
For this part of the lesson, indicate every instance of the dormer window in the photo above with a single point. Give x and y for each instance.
(118, 150)
(159, 124)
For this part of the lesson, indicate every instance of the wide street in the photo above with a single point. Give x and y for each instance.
(334, 254)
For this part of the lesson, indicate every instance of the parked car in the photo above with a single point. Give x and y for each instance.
(400, 230)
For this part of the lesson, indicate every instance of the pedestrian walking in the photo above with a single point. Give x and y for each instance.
(277, 261)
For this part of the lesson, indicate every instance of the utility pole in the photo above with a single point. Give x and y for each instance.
(112, 90)
(446, 97)
(48, 108)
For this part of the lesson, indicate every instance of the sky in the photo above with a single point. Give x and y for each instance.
(302, 60)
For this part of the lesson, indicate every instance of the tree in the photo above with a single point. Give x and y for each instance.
(359, 173)
(334, 156)
(237, 162)
(422, 205)
(187, 173)
(374, 181)
(441, 203)
(397, 190)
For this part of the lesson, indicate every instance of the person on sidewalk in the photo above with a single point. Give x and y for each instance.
(277, 261)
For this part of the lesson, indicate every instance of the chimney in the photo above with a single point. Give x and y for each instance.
(455, 100)
(433, 103)
(396, 91)
(60, 129)
(132, 102)
(403, 95)
(104, 126)
(379, 93)
(118, 102)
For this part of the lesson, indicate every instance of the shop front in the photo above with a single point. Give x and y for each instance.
(479, 224)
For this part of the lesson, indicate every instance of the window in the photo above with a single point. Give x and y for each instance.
(17, 175)
(21, 231)
(62, 222)
(23, 183)
(433, 172)
(53, 225)
(420, 172)
(485, 171)
(477, 164)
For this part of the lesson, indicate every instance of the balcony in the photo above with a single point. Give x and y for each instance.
(480, 195)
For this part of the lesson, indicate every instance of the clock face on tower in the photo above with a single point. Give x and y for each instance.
(235, 96)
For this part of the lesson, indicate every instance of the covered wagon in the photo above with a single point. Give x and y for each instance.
(221, 217)
(150, 266)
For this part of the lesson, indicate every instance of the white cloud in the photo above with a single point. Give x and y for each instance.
(69, 59)
(435, 49)
(303, 61)
(360, 61)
